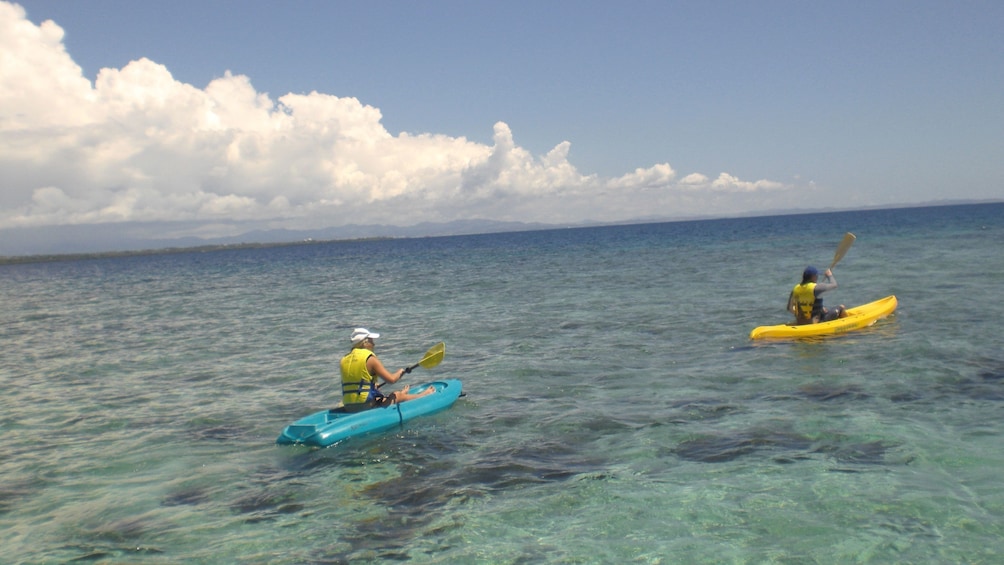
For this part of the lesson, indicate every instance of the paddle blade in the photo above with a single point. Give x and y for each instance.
(846, 244)
(433, 356)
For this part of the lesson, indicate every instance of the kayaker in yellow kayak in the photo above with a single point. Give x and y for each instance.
(804, 301)
(360, 370)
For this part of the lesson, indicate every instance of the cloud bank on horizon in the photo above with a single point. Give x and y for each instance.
(136, 145)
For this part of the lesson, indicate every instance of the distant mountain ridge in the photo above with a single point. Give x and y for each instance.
(129, 237)
(136, 237)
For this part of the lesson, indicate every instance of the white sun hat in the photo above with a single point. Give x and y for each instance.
(360, 334)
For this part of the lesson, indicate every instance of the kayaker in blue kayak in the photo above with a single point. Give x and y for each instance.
(360, 369)
(804, 301)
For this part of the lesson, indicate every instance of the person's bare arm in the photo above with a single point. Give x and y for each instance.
(377, 369)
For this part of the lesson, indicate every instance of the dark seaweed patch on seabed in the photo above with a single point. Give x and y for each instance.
(265, 504)
(784, 447)
(986, 382)
(867, 453)
(700, 410)
(727, 447)
(186, 497)
(268, 494)
(219, 433)
(12, 493)
(116, 539)
(433, 483)
(825, 392)
(986, 385)
(418, 499)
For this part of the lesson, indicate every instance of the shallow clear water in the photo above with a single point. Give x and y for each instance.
(616, 411)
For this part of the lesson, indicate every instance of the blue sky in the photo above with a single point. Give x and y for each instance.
(528, 111)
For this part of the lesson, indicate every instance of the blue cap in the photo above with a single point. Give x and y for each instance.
(809, 271)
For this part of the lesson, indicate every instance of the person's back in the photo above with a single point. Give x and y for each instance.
(360, 369)
(804, 301)
(357, 382)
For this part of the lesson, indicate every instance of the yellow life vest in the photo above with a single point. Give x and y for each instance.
(805, 298)
(357, 382)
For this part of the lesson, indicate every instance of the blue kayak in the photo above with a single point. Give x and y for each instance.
(327, 427)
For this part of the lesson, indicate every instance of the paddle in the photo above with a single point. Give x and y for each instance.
(432, 358)
(845, 244)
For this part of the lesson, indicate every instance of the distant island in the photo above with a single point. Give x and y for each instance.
(169, 250)
(119, 240)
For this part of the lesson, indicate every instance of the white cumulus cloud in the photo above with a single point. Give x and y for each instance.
(138, 145)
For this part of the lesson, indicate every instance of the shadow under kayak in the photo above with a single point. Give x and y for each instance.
(327, 427)
(857, 318)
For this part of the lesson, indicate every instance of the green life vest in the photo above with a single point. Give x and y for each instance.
(357, 382)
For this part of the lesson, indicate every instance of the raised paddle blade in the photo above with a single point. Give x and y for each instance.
(845, 244)
(432, 357)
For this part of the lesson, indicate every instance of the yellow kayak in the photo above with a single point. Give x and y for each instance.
(857, 318)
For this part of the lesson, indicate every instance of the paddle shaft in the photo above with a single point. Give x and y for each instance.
(845, 244)
(431, 358)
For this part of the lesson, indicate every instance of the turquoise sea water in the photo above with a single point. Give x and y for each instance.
(616, 411)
